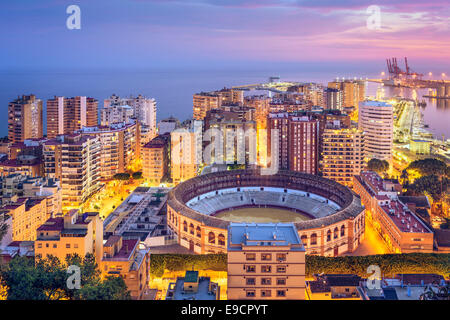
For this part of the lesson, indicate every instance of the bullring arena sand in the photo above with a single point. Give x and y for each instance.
(261, 215)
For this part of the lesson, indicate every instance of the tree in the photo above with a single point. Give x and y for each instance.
(111, 288)
(137, 175)
(432, 185)
(377, 165)
(47, 280)
(122, 176)
(429, 166)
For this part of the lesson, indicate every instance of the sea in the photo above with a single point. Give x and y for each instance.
(173, 88)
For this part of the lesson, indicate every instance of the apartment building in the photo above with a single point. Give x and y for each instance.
(124, 258)
(342, 153)
(144, 108)
(353, 91)
(120, 146)
(298, 141)
(156, 159)
(74, 233)
(401, 229)
(66, 115)
(116, 114)
(265, 261)
(376, 119)
(184, 161)
(75, 161)
(230, 136)
(27, 215)
(25, 119)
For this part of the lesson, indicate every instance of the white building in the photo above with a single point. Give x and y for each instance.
(144, 109)
(376, 119)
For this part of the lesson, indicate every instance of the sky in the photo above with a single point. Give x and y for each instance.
(133, 34)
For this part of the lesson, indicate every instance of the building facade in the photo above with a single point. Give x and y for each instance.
(120, 145)
(75, 161)
(75, 233)
(342, 154)
(376, 120)
(66, 115)
(298, 142)
(401, 229)
(25, 119)
(265, 261)
(155, 159)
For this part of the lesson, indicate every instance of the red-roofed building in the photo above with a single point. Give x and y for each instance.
(124, 258)
(402, 230)
(73, 233)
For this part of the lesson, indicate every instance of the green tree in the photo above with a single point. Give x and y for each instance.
(111, 288)
(47, 280)
(429, 166)
(122, 176)
(432, 185)
(137, 175)
(379, 166)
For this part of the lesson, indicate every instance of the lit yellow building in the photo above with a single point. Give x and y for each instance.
(265, 261)
(74, 233)
(155, 159)
(333, 286)
(124, 258)
(343, 154)
(420, 146)
(27, 215)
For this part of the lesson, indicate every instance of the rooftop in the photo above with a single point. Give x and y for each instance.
(176, 290)
(263, 234)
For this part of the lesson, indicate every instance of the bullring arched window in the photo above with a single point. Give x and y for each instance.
(199, 232)
(313, 239)
(211, 238)
(221, 240)
(343, 230)
(191, 229)
(329, 235)
(304, 240)
(335, 233)
(185, 226)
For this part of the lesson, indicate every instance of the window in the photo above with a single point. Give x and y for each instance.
(251, 268)
(281, 281)
(39, 245)
(221, 240)
(75, 245)
(185, 226)
(281, 269)
(250, 293)
(342, 231)
(281, 256)
(250, 281)
(313, 239)
(199, 232)
(329, 235)
(54, 245)
(266, 257)
(68, 245)
(211, 238)
(266, 281)
(266, 269)
(304, 239)
(281, 293)
(266, 293)
(335, 233)
(250, 256)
